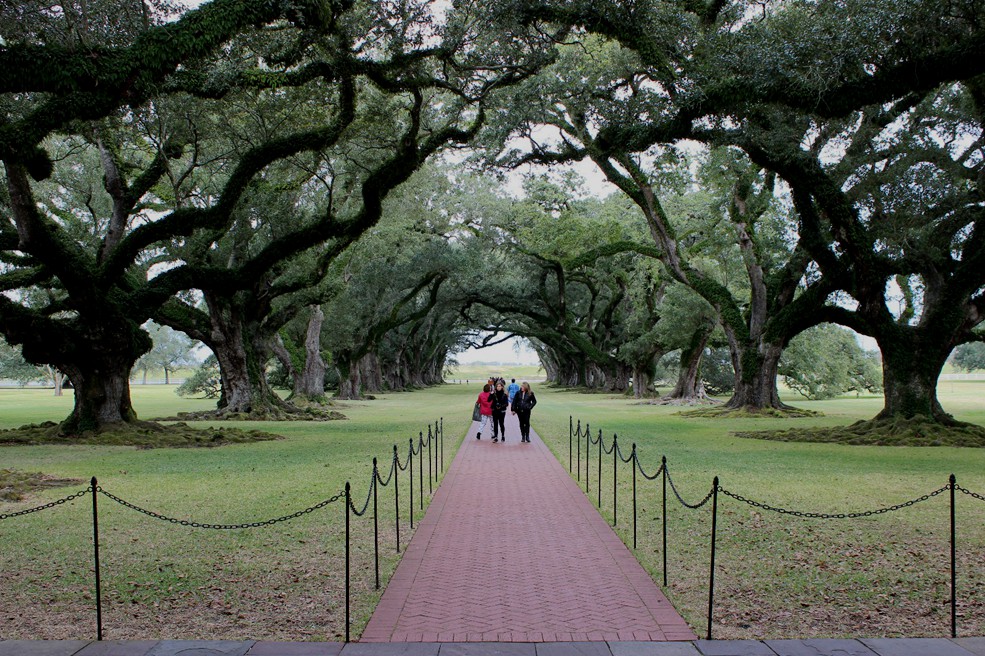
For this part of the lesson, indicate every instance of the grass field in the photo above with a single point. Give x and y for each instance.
(777, 576)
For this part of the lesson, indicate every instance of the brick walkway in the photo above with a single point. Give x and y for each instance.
(511, 550)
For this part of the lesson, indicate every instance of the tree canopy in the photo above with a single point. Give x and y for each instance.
(244, 172)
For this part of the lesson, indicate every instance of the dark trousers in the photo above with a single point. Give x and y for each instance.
(499, 426)
(524, 418)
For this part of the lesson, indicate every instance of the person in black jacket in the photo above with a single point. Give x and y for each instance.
(523, 402)
(500, 401)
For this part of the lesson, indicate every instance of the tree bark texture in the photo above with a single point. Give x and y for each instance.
(689, 387)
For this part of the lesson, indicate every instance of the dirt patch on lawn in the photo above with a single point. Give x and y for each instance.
(17, 485)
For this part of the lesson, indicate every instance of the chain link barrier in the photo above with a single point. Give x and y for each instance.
(693, 506)
(47, 506)
(960, 489)
(639, 467)
(393, 467)
(223, 527)
(815, 515)
(632, 455)
(712, 496)
(345, 496)
(369, 495)
(410, 455)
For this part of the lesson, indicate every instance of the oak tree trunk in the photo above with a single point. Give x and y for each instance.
(242, 353)
(689, 387)
(756, 368)
(102, 394)
(911, 366)
(311, 382)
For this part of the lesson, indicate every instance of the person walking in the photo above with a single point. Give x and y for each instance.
(500, 402)
(485, 409)
(512, 390)
(523, 403)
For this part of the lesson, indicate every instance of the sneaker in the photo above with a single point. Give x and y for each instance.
(495, 440)
(477, 435)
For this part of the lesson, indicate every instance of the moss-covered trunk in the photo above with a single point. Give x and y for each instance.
(96, 353)
(689, 387)
(102, 394)
(242, 351)
(756, 368)
(310, 382)
(911, 365)
(350, 387)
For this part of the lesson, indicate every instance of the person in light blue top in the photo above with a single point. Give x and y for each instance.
(512, 390)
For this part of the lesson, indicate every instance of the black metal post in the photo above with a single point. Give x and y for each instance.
(588, 456)
(430, 471)
(571, 428)
(348, 503)
(442, 444)
(410, 468)
(663, 466)
(714, 531)
(600, 470)
(579, 449)
(954, 571)
(615, 472)
(95, 549)
(376, 525)
(396, 494)
(420, 468)
(634, 463)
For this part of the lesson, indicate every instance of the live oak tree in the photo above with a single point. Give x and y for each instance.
(826, 361)
(83, 88)
(393, 280)
(969, 357)
(711, 72)
(585, 91)
(112, 96)
(539, 276)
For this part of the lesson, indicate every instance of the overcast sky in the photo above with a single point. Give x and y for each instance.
(504, 352)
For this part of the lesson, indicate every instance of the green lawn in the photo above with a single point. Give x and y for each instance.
(777, 576)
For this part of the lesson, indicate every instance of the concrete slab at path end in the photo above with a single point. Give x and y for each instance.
(511, 550)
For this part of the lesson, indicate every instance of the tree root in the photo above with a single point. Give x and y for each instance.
(280, 412)
(682, 402)
(143, 434)
(722, 412)
(916, 431)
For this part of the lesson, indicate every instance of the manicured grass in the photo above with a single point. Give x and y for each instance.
(777, 575)
(165, 580)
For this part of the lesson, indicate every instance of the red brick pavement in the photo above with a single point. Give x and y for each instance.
(511, 550)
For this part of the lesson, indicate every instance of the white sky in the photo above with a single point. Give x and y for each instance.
(505, 352)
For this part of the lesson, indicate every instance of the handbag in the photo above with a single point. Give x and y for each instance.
(476, 412)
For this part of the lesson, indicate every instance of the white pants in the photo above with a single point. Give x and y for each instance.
(483, 420)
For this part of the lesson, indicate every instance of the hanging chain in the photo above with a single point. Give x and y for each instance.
(47, 506)
(956, 487)
(685, 503)
(639, 466)
(193, 524)
(369, 495)
(855, 515)
(393, 467)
